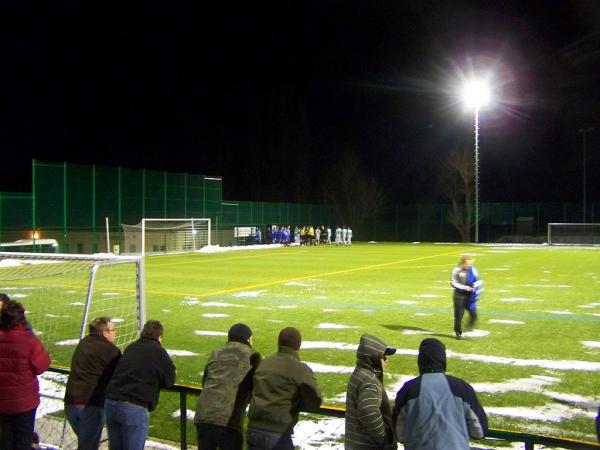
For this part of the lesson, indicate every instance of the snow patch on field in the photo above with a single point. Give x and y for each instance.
(407, 302)
(416, 332)
(223, 305)
(287, 306)
(427, 296)
(330, 310)
(536, 383)
(68, 342)
(327, 368)
(422, 314)
(333, 326)
(327, 344)
(249, 294)
(476, 333)
(172, 352)
(77, 304)
(591, 344)
(508, 322)
(215, 316)
(54, 316)
(209, 333)
(548, 413)
(514, 299)
(189, 301)
(298, 283)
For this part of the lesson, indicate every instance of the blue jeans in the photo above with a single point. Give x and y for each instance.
(211, 437)
(87, 422)
(268, 440)
(16, 430)
(127, 425)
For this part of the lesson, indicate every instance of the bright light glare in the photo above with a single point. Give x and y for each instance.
(476, 94)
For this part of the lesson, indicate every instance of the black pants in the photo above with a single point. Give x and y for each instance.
(211, 437)
(16, 430)
(462, 303)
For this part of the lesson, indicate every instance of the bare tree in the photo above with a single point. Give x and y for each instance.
(457, 184)
(354, 195)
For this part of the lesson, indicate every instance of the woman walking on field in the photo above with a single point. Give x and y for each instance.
(467, 287)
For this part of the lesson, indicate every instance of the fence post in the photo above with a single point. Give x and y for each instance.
(183, 418)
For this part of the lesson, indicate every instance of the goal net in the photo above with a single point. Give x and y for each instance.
(63, 293)
(574, 233)
(155, 236)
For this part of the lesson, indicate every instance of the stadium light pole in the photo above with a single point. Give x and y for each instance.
(584, 132)
(476, 94)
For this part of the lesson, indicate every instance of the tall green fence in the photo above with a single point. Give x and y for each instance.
(72, 204)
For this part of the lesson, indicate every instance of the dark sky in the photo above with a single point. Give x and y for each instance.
(271, 95)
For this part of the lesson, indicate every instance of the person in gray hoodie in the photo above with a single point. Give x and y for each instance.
(369, 424)
(436, 411)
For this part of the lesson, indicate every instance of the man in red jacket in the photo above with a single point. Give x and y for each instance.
(22, 358)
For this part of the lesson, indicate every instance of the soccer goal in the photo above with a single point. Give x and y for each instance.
(155, 236)
(574, 233)
(63, 293)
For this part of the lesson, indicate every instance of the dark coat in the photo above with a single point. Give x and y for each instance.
(142, 371)
(92, 365)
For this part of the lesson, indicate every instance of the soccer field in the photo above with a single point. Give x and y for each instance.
(533, 358)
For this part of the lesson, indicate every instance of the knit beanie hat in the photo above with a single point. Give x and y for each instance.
(290, 337)
(239, 332)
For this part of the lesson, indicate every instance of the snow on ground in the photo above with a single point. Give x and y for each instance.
(209, 333)
(535, 383)
(68, 342)
(327, 368)
(223, 305)
(327, 344)
(416, 332)
(591, 344)
(172, 352)
(249, 294)
(215, 316)
(508, 322)
(407, 302)
(333, 326)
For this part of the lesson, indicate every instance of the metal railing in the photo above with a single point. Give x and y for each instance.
(177, 430)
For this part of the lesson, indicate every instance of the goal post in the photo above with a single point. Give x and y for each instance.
(63, 293)
(156, 236)
(574, 234)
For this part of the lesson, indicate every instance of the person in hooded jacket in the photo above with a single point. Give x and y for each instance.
(436, 411)
(369, 424)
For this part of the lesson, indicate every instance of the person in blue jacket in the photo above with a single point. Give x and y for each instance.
(467, 290)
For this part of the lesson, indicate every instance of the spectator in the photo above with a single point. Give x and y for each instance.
(227, 385)
(467, 287)
(134, 389)
(92, 366)
(283, 386)
(369, 423)
(437, 411)
(598, 425)
(22, 358)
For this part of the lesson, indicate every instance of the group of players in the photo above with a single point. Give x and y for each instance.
(305, 235)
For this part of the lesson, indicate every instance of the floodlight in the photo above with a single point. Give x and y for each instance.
(476, 93)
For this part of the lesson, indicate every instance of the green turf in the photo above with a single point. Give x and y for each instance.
(364, 283)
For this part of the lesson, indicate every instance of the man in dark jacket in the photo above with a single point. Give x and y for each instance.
(436, 411)
(142, 371)
(227, 384)
(369, 424)
(283, 386)
(92, 366)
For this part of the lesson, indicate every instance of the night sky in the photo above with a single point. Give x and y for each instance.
(272, 95)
